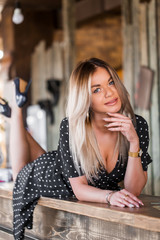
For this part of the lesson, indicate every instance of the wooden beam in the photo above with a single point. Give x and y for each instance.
(144, 61)
(90, 8)
(110, 4)
(72, 219)
(68, 14)
(155, 115)
(68, 17)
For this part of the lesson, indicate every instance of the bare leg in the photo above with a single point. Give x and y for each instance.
(23, 148)
(19, 146)
(35, 149)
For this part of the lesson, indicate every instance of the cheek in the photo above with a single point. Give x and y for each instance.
(94, 102)
(95, 99)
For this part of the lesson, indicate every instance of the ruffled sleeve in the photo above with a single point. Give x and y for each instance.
(143, 134)
(67, 161)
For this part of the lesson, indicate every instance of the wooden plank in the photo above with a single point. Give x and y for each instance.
(88, 8)
(136, 43)
(146, 217)
(109, 4)
(54, 220)
(155, 121)
(143, 16)
(128, 51)
(69, 37)
(140, 30)
(65, 225)
(144, 61)
(6, 236)
(39, 73)
(131, 217)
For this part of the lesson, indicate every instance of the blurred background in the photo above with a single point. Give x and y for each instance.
(42, 40)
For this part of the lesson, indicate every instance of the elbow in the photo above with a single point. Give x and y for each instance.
(134, 190)
(136, 187)
(79, 196)
(136, 193)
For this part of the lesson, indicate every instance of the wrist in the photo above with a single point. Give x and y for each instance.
(134, 147)
(108, 196)
(136, 154)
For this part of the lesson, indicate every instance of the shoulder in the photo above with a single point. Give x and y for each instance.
(142, 127)
(64, 123)
(64, 126)
(140, 122)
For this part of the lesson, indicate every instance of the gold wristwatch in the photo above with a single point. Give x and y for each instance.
(135, 154)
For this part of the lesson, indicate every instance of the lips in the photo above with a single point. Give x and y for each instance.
(112, 102)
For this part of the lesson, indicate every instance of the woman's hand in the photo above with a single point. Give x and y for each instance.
(119, 122)
(124, 198)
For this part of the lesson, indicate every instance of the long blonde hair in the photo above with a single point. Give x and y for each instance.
(83, 143)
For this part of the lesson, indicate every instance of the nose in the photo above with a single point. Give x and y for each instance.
(108, 92)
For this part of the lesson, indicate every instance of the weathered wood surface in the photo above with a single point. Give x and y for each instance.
(59, 219)
(68, 8)
(155, 108)
(140, 32)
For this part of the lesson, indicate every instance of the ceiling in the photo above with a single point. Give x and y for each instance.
(34, 4)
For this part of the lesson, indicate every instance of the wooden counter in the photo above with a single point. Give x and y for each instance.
(61, 219)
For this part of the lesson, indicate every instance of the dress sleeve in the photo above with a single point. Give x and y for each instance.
(66, 159)
(143, 134)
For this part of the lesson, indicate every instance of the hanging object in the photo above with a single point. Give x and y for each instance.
(17, 14)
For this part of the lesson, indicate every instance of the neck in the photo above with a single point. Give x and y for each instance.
(98, 122)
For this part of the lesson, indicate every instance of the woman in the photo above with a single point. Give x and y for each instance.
(101, 143)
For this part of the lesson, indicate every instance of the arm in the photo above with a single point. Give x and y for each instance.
(84, 192)
(135, 177)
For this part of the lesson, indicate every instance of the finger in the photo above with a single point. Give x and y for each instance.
(117, 124)
(117, 129)
(118, 115)
(132, 196)
(129, 202)
(117, 120)
(119, 204)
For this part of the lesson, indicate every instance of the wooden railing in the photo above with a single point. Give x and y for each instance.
(61, 219)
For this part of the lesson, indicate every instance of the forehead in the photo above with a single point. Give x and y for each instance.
(100, 75)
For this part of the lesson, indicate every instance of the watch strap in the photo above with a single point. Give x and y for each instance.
(135, 154)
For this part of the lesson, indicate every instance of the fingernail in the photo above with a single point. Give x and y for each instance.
(141, 203)
(106, 125)
(131, 205)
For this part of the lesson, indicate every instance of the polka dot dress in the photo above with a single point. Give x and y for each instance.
(49, 176)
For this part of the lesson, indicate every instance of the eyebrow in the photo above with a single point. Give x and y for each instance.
(97, 85)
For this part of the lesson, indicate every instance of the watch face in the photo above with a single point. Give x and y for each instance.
(140, 153)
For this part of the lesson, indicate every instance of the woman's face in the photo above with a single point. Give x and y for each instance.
(104, 97)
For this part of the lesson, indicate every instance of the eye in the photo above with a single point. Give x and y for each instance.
(111, 82)
(97, 90)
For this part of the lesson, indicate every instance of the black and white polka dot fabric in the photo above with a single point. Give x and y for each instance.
(49, 176)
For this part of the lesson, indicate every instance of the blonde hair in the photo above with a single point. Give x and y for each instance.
(83, 143)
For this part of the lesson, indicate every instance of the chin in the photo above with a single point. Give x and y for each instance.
(115, 110)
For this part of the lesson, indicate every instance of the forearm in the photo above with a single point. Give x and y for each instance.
(135, 178)
(85, 192)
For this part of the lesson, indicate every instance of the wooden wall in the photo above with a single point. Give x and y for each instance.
(98, 37)
(140, 49)
(19, 40)
(93, 38)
